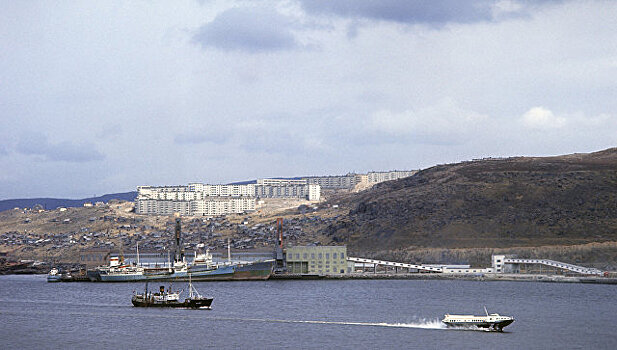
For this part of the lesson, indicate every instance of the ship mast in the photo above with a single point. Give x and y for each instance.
(228, 251)
(179, 247)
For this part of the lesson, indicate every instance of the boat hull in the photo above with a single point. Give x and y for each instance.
(194, 303)
(56, 278)
(498, 325)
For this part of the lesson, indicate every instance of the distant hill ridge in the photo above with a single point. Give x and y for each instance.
(53, 203)
(505, 202)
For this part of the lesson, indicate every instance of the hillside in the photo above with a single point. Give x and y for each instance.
(53, 203)
(496, 203)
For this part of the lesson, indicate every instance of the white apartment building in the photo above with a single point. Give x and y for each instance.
(350, 180)
(195, 199)
(213, 206)
(280, 182)
(310, 192)
(223, 190)
(374, 177)
(211, 200)
(334, 182)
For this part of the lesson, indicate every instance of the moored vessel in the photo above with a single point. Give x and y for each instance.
(54, 275)
(256, 270)
(201, 269)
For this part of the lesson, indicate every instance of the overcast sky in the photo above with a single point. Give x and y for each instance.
(102, 96)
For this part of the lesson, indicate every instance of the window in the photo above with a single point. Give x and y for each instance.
(297, 256)
(342, 255)
(305, 256)
(333, 255)
(327, 256)
(320, 256)
(312, 255)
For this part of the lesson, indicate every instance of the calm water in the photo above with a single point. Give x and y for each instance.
(364, 314)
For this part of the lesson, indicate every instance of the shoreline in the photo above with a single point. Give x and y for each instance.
(484, 277)
(465, 277)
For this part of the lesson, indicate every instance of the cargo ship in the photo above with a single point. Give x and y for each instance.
(202, 268)
(260, 270)
(178, 271)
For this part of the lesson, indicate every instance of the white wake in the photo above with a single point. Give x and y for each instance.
(424, 324)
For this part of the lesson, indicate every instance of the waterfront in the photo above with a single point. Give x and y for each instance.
(307, 314)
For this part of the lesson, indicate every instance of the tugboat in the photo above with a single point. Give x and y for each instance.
(171, 298)
(492, 322)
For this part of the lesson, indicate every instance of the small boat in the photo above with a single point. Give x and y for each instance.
(171, 298)
(494, 322)
(54, 275)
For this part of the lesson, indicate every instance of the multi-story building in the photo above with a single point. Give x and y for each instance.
(266, 188)
(195, 199)
(334, 182)
(374, 177)
(210, 200)
(317, 260)
(281, 182)
(350, 180)
(207, 207)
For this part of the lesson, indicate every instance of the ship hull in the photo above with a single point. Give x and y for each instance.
(221, 273)
(261, 270)
(56, 278)
(254, 271)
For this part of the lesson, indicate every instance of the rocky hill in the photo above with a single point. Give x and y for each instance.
(496, 203)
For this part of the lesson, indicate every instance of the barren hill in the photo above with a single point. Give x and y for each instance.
(496, 203)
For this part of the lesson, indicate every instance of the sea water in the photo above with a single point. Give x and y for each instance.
(310, 314)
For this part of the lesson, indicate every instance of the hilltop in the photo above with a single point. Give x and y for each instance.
(54, 203)
(490, 203)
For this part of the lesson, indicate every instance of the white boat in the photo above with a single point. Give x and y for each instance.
(54, 275)
(495, 322)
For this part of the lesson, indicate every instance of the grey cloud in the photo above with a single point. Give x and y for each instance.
(37, 144)
(426, 12)
(248, 29)
(433, 12)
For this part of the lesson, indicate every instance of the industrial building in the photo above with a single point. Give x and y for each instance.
(317, 260)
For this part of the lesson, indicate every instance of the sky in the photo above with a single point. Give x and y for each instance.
(100, 97)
